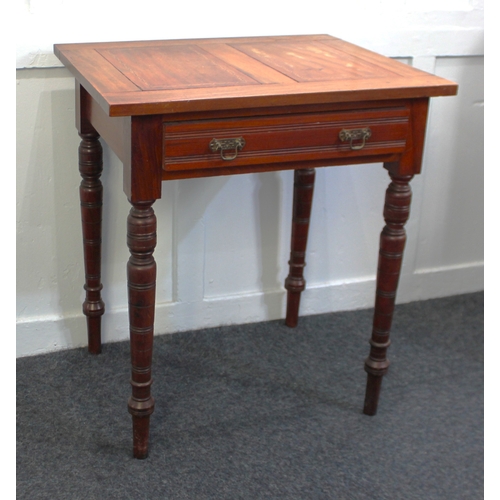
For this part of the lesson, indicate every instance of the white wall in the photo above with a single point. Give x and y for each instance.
(223, 243)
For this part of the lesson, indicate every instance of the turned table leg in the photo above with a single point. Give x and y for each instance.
(303, 191)
(141, 274)
(90, 163)
(392, 243)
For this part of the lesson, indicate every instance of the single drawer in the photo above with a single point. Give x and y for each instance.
(212, 144)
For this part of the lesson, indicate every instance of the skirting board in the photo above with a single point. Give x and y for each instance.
(46, 334)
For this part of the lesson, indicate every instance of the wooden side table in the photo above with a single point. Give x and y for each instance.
(179, 109)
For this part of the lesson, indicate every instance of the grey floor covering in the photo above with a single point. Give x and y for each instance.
(261, 411)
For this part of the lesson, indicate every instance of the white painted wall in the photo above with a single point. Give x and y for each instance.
(223, 243)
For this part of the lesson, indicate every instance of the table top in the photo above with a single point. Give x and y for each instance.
(177, 76)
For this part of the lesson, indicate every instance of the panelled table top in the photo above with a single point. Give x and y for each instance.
(171, 76)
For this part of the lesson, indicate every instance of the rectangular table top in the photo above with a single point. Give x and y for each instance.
(176, 76)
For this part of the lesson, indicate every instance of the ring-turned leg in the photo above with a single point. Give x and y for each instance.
(141, 275)
(90, 163)
(303, 191)
(392, 243)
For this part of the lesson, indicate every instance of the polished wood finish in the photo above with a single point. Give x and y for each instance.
(242, 73)
(90, 163)
(284, 139)
(288, 103)
(303, 191)
(392, 244)
(141, 277)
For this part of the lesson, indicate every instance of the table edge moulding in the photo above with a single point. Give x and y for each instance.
(179, 109)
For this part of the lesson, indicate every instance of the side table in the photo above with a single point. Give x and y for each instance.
(180, 109)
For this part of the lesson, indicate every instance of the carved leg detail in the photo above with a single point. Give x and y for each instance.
(392, 243)
(141, 273)
(302, 201)
(90, 163)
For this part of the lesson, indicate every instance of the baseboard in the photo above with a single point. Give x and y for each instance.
(46, 334)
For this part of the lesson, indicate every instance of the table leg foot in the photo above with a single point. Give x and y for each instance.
(392, 243)
(91, 193)
(292, 306)
(373, 386)
(140, 426)
(302, 202)
(141, 275)
(94, 334)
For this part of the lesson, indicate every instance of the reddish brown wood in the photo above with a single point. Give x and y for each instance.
(273, 167)
(150, 75)
(418, 122)
(156, 77)
(142, 169)
(158, 105)
(392, 243)
(278, 139)
(303, 191)
(141, 274)
(90, 163)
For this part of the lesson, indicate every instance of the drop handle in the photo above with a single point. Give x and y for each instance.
(225, 145)
(355, 134)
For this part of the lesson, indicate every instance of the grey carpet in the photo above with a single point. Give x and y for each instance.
(261, 411)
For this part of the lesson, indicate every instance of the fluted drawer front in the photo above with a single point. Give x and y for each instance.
(209, 144)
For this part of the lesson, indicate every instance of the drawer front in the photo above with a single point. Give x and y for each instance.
(212, 144)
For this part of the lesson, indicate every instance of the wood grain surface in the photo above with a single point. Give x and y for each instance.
(178, 76)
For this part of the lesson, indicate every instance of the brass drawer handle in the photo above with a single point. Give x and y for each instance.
(354, 135)
(227, 145)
